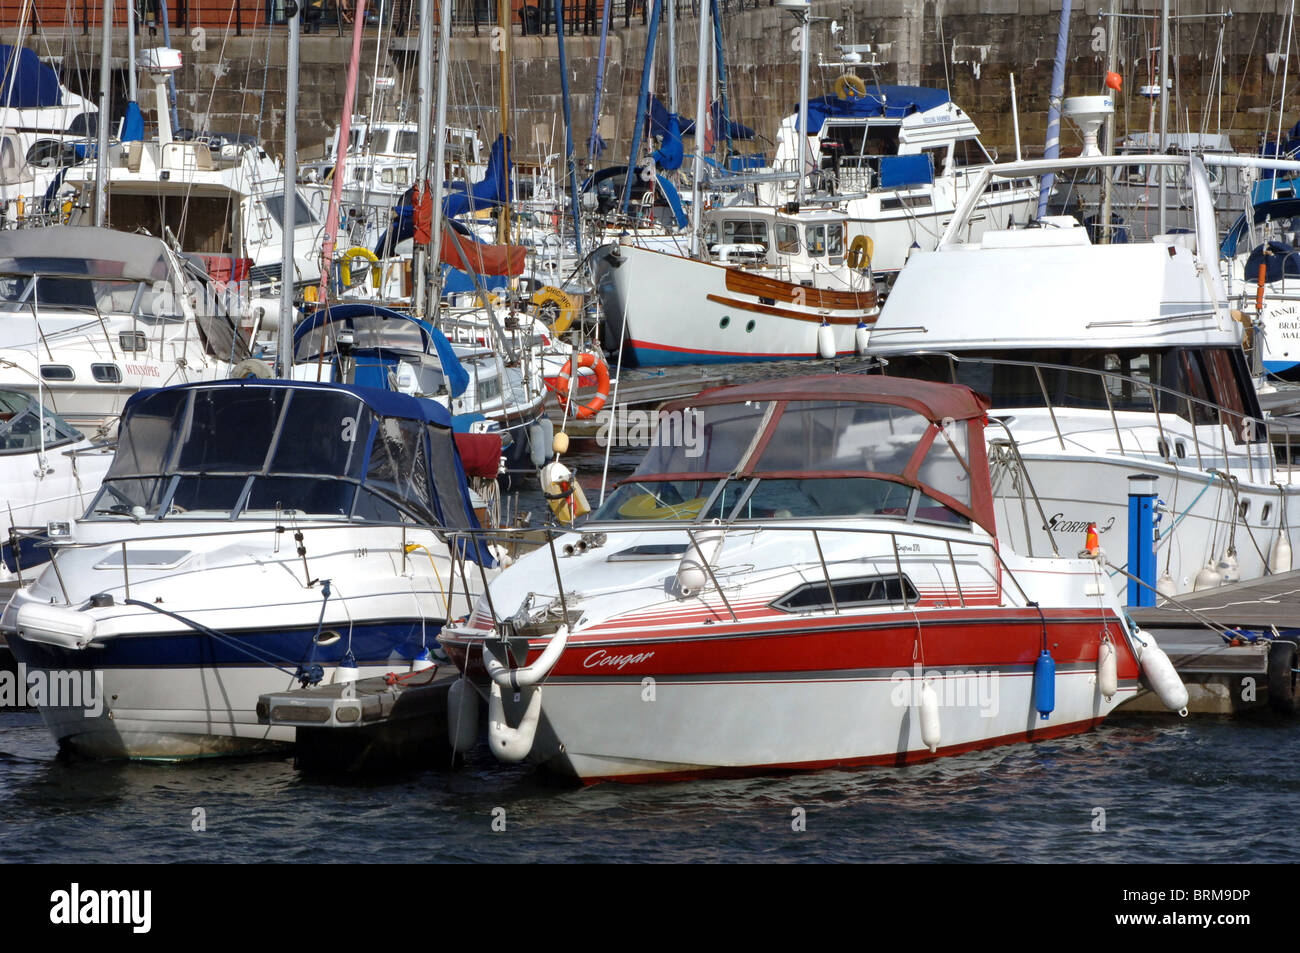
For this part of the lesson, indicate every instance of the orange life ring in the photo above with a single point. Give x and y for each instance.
(600, 369)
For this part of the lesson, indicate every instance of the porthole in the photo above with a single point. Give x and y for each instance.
(106, 373)
(726, 320)
(750, 327)
(1265, 514)
(57, 372)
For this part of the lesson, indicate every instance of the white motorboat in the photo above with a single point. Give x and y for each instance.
(89, 316)
(1105, 361)
(250, 536)
(49, 472)
(818, 580)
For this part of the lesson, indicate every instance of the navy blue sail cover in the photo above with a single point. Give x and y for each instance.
(34, 84)
(880, 102)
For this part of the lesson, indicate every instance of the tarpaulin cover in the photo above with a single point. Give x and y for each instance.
(880, 102)
(35, 84)
(462, 197)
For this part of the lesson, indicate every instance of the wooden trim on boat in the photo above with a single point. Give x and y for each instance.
(796, 315)
(760, 286)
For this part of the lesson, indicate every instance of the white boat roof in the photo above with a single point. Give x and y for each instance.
(1049, 286)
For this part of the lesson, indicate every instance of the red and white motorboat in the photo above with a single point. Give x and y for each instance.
(815, 581)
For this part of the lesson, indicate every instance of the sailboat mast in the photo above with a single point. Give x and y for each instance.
(701, 90)
(1164, 103)
(130, 51)
(345, 134)
(288, 266)
(424, 57)
(1108, 175)
(101, 122)
(440, 149)
(672, 58)
(503, 24)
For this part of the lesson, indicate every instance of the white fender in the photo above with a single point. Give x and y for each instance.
(861, 339)
(931, 733)
(59, 626)
(1165, 585)
(825, 341)
(1207, 578)
(518, 678)
(1160, 672)
(512, 744)
(692, 574)
(462, 715)
(346, 671)
(1279, 554)
(1107, 670)
(1229, 569)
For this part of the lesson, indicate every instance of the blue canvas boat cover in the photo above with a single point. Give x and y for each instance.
(880, 102)
(462, 197)
(35, 84)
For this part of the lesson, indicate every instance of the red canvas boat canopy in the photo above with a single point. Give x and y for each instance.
(853, 428)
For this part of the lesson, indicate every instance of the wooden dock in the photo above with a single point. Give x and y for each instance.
(374, 725)
(1225, 677)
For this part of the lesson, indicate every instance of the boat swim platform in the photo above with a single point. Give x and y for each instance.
(1225, 678)
(385, 723)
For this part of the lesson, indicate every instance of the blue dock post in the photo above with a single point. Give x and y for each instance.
(1142, 539)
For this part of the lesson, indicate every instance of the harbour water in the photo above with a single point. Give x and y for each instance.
(1203, 790)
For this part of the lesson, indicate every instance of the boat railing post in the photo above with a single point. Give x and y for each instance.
(559, 582)
(1196, 437)
(826, 573)
(690, 534)
(54, 562)
(1033, 491)
(1042, 386)
(898, 567)
(126, 577)
(1110, 406)
(1160, 426)
(956, 577)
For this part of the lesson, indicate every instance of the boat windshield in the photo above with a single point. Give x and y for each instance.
(21, 423)
(800, 460)
(263, 452)
(147, 300)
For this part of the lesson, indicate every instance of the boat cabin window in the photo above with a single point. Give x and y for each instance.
(26, 428)
(45, 152)
(1215, 379)
(302, 215)
(967, 152)
(744, 232)
(787, 239)
(826, 240)
(258, 452)
(855, 145)
(804, 459)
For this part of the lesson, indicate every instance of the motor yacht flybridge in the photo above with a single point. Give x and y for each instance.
(1103, 360)
(819, 580)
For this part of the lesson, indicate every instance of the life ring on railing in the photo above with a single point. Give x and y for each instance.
(860, 251)
(850, 81)
(647, 506)
(555, 308)
(351, 255)
(601, 370)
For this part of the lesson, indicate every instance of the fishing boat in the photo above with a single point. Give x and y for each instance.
(1106, 360)
(89, 316)
(772, 284)
(817, 581)
(249, 537)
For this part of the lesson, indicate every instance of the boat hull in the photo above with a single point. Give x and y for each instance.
(181, 695)
(820, 694)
